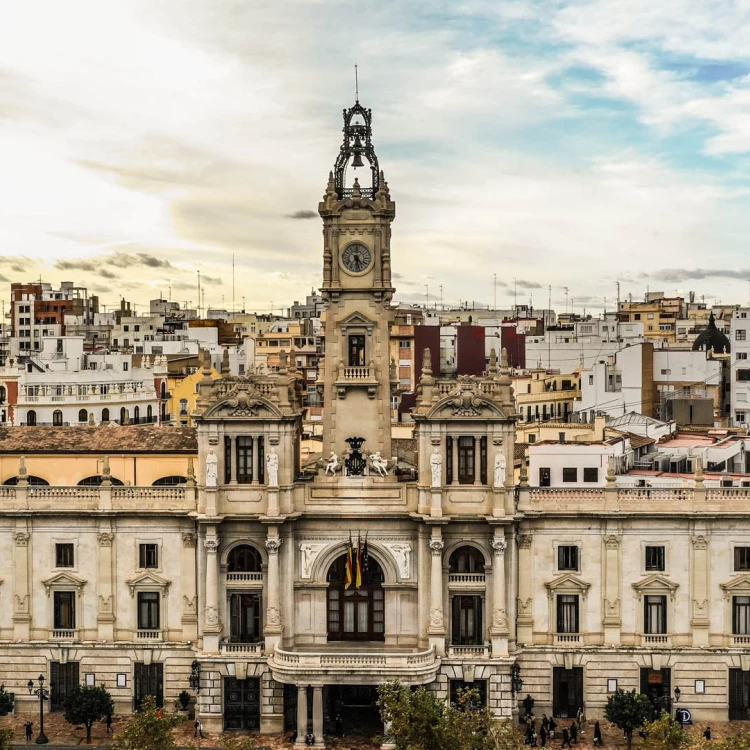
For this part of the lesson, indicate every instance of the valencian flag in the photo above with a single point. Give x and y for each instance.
(349, 571)
(358, 568)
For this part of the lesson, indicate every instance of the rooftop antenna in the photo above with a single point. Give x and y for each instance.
(233, 283)
(356, 82)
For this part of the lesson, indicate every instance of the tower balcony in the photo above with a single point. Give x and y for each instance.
(363, 376)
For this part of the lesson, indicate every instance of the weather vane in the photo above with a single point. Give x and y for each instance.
(356, 83)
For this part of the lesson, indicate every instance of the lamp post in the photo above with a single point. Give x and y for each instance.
(195, 676)
(677, 712)
(43, 694)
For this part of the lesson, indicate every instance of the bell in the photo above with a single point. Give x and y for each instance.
(357, 160)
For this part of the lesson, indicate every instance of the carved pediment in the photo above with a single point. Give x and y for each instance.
(466, 403)
(655, 584)
(738, 585)
(148, 580)
(243, 403)
(356, 320)
(567, 583)
(62, 581)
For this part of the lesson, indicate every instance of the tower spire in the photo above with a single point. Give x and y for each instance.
(356, 84)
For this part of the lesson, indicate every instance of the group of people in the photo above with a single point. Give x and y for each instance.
(568, 735)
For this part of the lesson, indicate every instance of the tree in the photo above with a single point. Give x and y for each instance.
(85, 705)
(146, 730)
(505, 736)
(6, 739)
(665, 734)
(6, 701)
(739, 740)
(629, 711)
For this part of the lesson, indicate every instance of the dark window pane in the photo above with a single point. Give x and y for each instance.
(244, 445)
(570, 474)
(65, 610)
(148, 610)
(64, 555)
(591, 475)
(148, 555)
(654, 558)
(567, 557)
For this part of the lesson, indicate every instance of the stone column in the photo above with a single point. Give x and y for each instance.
(317, 713)
(189, 593)
(272, 629)
(256, 452)
(477, 460)
(699, 614)
(301, 715)
(106, 600)
(499, 627)
(455, 459)
(525, 617)
(212, 621)
(436, 630)
(233, 460)
(612, 619)
(21, 593)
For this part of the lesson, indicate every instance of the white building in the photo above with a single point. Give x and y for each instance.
(740, 367)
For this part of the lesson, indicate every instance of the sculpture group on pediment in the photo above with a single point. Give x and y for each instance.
(378, 463)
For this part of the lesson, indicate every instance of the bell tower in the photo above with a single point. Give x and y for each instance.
(357, 286)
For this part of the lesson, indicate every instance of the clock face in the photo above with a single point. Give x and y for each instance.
(356, 258)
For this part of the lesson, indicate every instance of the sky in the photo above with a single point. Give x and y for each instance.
(557, 147)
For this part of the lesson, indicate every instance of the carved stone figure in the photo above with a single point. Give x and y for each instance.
(332, 465)
(309, 551)
(212, 469)
(500, 465)
(272, 462)
(436, 467)
(212, 616)
(379, 463)
(402, 553)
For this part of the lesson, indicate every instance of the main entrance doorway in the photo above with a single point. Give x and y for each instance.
(567, 691)
(739, 695)
(657, 685)
(149, 680)
(241, 703)
(63, 678)
(356, 708)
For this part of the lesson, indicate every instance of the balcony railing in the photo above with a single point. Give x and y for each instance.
(243, 648)
(466, 578)
(244, 577)
(656, 640)
(356, 373)
(470, 652)
(148, 635)
(64, 634)
(741, 640)
(566, 638)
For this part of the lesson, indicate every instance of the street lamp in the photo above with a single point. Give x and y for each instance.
(43, 694)
(195, 676)
(677, 712)
(516, 683)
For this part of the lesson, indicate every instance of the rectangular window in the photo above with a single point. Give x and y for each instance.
(148, 610)
(356, 351)
(245, 610)
(741, 615)
(743, 375)
(404, 344)
(227, 460)
(483, 459)
(740, 334)
(467, 628)
(65, 610)
(741, 355)
(739, 417)
(545, 476)
(567, 557)
(449, 448)
(742, 558)
(148, 555)
(64, 555)
(567, 613)
(591, 474)
(244, 459)
(655, 558)
(466, 460)
(570, 474)
(655, 615)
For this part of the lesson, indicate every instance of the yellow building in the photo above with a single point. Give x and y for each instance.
(184, 394)
(659, 317)
(546, 396)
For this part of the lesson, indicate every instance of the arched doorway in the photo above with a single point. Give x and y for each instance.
(356, 614)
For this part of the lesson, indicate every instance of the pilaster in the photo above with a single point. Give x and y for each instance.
(212, 621)
(499, 627)
(700, 594)
(436, 629)
(105, 584)
(525, 617)
(189, 589)
(611, 605)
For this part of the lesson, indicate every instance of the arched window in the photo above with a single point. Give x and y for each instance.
(95, 481)
(83, 415)
(136, 414)
(169, 481)
(150, 413)
(244, 559)
(3, 394)
(30, 418)
(57, 419)
(163, 389)
(123, 415)
(356, 614)
(33, 481)
(105, 415)
(466, 560)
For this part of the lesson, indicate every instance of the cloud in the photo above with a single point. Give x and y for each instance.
(127, 260)
(302, 214)
(4, 278)
(685, 274)
(14, 263)
(523, 284)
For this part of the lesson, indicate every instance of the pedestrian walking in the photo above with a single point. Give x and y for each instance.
(565, 738)
(597, 735)
(552, 727)
(573, 732)
(707, 733)
(29, 727)
(198, 728)
(543, 734)
(109, 724)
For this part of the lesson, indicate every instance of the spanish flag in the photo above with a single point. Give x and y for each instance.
(359, 561)
(349, 571)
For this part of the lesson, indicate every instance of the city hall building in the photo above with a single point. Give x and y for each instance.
(138, 557)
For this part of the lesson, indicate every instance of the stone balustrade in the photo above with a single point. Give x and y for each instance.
(143, 499)
(469, 652)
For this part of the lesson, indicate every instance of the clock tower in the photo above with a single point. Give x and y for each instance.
(357, 286)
